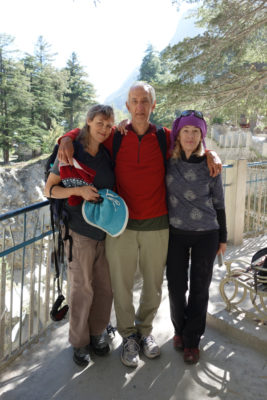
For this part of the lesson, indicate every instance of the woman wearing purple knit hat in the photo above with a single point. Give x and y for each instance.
(197, 231)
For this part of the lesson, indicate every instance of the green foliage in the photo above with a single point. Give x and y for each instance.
(217, 120)
(79, 95)
(155, 71)
(14, 94)
(50, 138)
(35, 98)
(42, 52)
(150, 69)
(224, 69)
(46, 88)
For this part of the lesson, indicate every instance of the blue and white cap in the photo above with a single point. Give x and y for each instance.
(111, 215)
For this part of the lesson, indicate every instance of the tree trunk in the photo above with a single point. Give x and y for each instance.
(6, 154)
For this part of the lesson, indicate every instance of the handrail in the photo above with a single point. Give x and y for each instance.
(24, 210)
(256, 163)
(18, 211)
(27, 277)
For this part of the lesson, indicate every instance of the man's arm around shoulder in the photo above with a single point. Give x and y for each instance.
(66, 149)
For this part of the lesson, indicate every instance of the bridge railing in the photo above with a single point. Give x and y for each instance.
(245, 199)
(27, 285)
(255, 221)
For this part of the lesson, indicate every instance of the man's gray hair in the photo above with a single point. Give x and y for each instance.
(146, 86)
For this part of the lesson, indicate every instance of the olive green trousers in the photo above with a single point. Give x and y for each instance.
(131, 255)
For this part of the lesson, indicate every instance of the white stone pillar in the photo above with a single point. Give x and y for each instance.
(235, 197)
(248, 139)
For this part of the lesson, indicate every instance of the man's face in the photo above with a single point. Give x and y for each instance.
(140, 105)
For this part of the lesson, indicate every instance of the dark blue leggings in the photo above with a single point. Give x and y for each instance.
(188, 313)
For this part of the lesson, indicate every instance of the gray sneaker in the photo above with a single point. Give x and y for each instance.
(149, 346)
(130, 351)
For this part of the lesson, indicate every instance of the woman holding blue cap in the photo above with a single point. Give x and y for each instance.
(197, 231)
(90, 286)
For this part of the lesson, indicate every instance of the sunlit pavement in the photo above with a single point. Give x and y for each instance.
(229, 368)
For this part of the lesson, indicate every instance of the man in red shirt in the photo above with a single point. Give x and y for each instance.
(140, 180)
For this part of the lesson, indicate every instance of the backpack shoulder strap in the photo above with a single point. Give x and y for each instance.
(161, 136)
(117, 138)
(49, 163)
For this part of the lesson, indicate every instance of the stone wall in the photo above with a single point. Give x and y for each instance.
(236, 143)
(21, 184)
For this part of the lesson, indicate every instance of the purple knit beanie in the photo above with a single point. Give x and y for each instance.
(188, 120)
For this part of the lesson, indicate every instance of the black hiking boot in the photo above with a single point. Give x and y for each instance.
(99, 345)
(81, 356)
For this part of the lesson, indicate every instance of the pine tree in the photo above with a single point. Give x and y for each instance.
(224, 69)
(47, 86)
(154, 70)
(14, 98)
(80, 93)
(151, 66)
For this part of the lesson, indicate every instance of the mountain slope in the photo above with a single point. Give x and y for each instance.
(185, 28)
(117, 99)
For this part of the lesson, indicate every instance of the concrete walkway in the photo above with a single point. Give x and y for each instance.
(229, 368)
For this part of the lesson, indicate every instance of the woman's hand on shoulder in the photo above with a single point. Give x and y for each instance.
(121, 127)
(214, 163)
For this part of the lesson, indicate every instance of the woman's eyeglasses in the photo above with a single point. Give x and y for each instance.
(196, 113)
